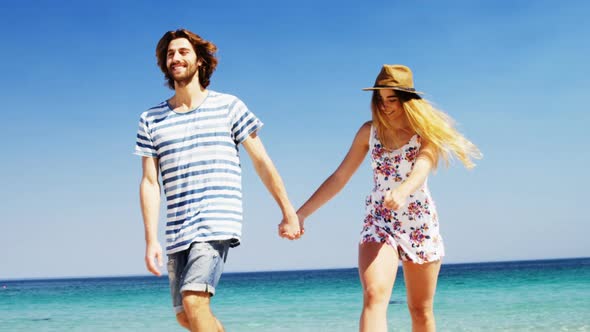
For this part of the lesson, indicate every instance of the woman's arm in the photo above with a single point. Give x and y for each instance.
(427, 159)
(335, 182)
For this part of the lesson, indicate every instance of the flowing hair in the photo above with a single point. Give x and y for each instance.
(205, 51)
(432, 125)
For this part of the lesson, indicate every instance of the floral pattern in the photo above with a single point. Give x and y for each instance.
(413, 230)
(416, 209)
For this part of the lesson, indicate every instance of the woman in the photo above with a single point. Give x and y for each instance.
(406, 138)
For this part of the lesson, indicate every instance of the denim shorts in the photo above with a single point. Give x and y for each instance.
(197, 268)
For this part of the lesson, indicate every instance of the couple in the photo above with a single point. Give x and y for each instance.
(191, 140)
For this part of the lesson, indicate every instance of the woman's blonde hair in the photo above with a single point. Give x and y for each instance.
(431, 124)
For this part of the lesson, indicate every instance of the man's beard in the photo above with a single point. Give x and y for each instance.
(186, 78)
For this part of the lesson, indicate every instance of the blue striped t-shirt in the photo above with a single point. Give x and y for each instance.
(200, 167)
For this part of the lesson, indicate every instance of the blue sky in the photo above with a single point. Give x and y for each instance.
(76, 76)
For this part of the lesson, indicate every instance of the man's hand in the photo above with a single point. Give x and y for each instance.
(153, 252)
(289, 227)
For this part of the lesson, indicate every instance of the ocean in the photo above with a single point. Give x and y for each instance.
(543, 295)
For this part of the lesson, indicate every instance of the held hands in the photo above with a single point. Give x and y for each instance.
(291, 227)
(395, 199)
(153, 251)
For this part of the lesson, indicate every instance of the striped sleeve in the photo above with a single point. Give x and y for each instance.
(243, 122)
(144, 145)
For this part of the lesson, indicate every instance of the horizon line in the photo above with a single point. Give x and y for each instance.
(276, 271)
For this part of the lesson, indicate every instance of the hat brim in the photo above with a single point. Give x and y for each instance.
(393, 88)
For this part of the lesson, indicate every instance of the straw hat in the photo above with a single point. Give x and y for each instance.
(396, 77)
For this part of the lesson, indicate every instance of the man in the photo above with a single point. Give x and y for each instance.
(192, 140)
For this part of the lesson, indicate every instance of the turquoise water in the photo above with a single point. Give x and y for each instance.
(550, 295)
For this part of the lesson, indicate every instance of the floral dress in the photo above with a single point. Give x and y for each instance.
(413, 230)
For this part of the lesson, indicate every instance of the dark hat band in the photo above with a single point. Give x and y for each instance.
(395, 87)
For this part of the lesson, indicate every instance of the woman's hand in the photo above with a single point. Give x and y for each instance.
(395, 199)
(301, 218)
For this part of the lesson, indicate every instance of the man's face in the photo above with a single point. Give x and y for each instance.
(181, 61)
